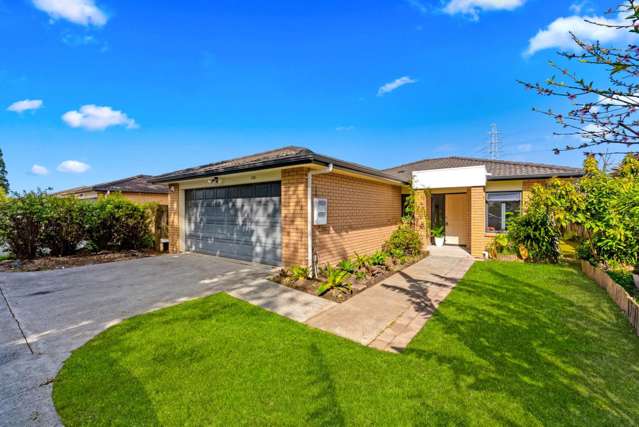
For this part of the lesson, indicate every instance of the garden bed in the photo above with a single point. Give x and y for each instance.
(76, 260)
(369, 276)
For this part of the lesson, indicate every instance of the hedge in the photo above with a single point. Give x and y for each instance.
(35, 223)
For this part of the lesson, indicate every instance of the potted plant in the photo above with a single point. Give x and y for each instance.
(438, 233)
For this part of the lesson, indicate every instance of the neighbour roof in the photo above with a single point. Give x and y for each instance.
(286, 156)
(133, 184)
(498, 169)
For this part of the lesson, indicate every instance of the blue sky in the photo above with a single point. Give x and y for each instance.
(98, 90)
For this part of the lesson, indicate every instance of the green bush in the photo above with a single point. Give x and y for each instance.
(347, 265)
(33, 223)
(64, 225)
(21, 223)
(335, 279)
(535, 231)
(299, 272)
(602, 208)
(378, 258)
(119, 224)
(406, 239)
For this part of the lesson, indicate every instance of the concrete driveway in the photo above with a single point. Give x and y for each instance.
(46, 315)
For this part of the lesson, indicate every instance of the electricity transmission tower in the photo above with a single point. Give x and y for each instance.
(494, 142)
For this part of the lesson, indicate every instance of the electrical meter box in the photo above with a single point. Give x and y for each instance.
(320, 211)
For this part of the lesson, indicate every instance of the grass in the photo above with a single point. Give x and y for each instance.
(514, 343)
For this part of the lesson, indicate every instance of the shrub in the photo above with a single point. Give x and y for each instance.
(438, 230)
(501, 244)
(347, 266)
(361, 261)
(536, 233)
(299, 272)
(398, 255)
(21, 223)
(335, 279)
(64, 224)
(405, 239)
(378, 258)
(119, 224)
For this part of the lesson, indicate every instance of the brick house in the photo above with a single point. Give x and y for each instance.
(137, 188)
(292, 206)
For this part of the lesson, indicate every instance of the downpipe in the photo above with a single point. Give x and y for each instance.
(311, 258)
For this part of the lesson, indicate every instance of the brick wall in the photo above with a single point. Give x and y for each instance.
(294, 216)
(162, 199)
(423, 201)
(174, 214)
(361, 216)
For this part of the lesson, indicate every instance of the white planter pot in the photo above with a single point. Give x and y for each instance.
(439, 242)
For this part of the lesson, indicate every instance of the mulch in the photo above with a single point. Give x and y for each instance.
(57, 263)
(374, 277)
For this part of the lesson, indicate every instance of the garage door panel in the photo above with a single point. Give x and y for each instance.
(239, 222)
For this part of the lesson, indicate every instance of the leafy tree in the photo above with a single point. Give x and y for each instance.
(605, 113)
(4, 182)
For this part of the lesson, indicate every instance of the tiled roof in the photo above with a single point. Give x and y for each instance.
(285, 156)
(133, 184)
(498, 169)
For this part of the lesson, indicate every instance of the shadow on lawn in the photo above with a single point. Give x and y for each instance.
(72, 403)
(537, 346)
(417, 291)
(324, 408)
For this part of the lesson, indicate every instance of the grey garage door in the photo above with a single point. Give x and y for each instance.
(241, 221)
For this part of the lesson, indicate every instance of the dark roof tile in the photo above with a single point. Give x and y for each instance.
(498, 169)
(133, 184)
(285, 156)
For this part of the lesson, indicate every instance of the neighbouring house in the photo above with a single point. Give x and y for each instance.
(292, 206)
(137, 188)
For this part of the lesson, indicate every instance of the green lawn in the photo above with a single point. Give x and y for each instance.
(513, 344)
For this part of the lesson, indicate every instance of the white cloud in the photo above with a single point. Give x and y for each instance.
(25, 105)
(94, 117)
(73, 166)
(391, 86)
(524, 147)
(472, 8)
(39, 170)
(557, 34)
(345, 128)
(82, 12)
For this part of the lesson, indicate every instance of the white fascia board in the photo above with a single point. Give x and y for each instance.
(468, 176)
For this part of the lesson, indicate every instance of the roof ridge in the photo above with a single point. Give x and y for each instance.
(261, 153)
(109, 183)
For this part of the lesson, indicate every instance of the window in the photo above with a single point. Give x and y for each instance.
(498, 207)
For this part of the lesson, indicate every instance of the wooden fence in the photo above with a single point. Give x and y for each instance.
(626, 303)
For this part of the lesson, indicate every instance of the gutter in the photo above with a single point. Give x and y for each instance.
(576, 174)
(309, 218)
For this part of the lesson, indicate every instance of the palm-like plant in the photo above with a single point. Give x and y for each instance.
(335, 279)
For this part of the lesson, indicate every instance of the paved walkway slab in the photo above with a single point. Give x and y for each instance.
(388, 315)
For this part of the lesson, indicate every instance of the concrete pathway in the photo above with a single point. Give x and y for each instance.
(46, 315)
(388, 315)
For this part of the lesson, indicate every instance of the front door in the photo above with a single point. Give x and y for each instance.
(456, 219)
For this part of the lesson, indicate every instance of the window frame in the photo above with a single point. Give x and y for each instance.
(504, 230)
